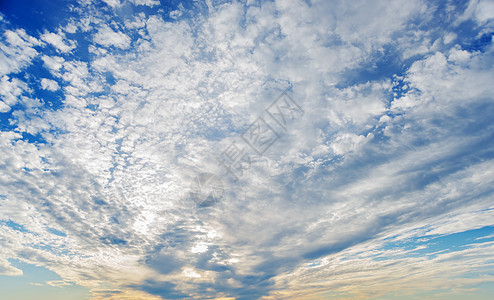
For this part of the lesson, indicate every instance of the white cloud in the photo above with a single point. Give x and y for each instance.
(57, 40)
(49, 84)
(4, 107)
(113, 3)
(107, 37)
(11, 90)
(145, 2)
(449, 37)
(18, 52)
(7, 269)
(175, 14)
(484, 11)
(345, 143)
(53, 63)
(459, 56)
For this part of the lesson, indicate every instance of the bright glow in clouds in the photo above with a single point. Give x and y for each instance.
(117, 118)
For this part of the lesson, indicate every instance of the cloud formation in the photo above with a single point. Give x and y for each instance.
(383, 186)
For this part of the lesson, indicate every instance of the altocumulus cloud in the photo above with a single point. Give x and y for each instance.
(382, 188)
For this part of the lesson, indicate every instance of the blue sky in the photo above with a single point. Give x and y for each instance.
(246, 150)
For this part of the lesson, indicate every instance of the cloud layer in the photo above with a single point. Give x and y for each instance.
(382, 187)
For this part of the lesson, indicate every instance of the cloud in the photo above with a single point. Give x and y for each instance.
(145, 2)
(347, 142)
(7, 269)
(57, 40)
(113, 3)
(53, 63)
(49, 84)
(484, 11)
(107, 37)
(17, 50)
(393, 146)
(10, 90)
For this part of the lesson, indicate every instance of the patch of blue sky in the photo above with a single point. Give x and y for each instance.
(56, 231)
(382, 64)
(5, 119)
(112, 240)
(33, 138)
(432, 245)
(481, 43)
(36, 16)
(13, 225)
(32, 284)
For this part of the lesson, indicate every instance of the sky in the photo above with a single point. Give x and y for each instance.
(285, 149)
